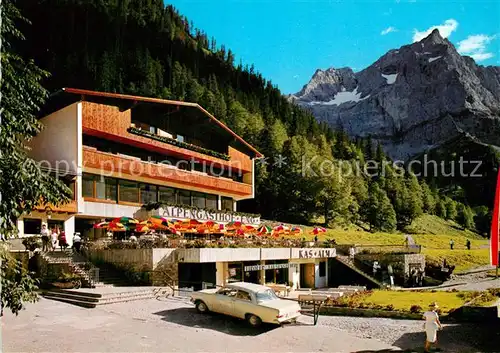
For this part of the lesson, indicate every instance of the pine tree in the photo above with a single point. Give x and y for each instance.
(465, 216)
(22, 182)
(451, 208)
(428, 200)
(378, 211)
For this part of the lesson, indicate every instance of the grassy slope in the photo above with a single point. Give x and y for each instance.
(432, 232)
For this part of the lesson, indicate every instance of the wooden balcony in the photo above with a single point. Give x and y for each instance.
(120, 166)
(110, 123)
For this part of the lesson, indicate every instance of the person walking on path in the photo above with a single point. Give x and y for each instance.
(45, 237)
(452, 244)
(467, 244)
(431, 326)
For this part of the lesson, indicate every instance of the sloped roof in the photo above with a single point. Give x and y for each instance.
(113, 96)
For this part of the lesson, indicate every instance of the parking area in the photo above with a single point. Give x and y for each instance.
(173, 325)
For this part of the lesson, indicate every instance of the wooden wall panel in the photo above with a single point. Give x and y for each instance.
(108, 122)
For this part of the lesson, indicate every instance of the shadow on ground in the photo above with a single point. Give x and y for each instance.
(225, 324)
(457, 337)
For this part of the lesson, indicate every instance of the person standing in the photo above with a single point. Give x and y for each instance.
(452, 244)
(44, 232)
(431, 326)
(62, 241)
(375, 269)
(77, 242)
(468, 244)
(54, 238)
(352, 252)
(390, 272)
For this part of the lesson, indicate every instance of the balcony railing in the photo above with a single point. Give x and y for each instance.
(120, 165)
(180, 144)
(69, 207)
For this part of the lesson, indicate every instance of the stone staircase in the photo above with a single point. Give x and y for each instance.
(77, 264)
(91, 298)
(348, 261)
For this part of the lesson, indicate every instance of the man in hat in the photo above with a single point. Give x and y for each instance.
(432, 325)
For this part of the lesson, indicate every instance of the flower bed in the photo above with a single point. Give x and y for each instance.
(413, 302)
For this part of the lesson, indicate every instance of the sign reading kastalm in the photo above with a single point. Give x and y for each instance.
(266, 267)
(313, 253)
(205, 215)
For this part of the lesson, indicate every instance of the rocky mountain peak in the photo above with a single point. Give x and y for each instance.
(411, 99)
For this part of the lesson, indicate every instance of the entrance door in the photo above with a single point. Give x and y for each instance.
(307, 275)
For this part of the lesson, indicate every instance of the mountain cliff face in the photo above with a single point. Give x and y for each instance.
(411, 100)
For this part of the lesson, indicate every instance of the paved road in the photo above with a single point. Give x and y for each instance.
(174, 326)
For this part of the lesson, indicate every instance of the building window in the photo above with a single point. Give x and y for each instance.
(322, 269)
(32, 226)
(198, 199)
(55, 224)
(185, 197)
(88, 185)
(148, 193)
(211, 203)
(167, 195)
(129, 191)
(105, 188)
(227, 204)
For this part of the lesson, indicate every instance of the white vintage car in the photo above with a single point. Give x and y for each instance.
(249, 301)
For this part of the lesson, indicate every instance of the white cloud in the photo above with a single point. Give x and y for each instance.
(388, 30)
(481, 56)
(475, 46)
(445, 29)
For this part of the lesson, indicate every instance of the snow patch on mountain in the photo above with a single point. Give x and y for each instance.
(390, 78)
(343, 97)
(435, 58)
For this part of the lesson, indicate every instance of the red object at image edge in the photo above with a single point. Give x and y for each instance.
(495, 225)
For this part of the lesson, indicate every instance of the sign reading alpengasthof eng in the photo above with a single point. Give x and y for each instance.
(204, 215)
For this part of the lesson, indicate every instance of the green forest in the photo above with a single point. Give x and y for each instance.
(146, 48)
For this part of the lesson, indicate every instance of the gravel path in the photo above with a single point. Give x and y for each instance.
(172, 325)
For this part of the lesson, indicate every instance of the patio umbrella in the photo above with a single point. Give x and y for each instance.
(109, 225)
(158, 222)
(234, 225)
(125, 220)
(247, 228)
(141, 228)
(281, 229)
(265, 230)
(101, 225)
(318, 230)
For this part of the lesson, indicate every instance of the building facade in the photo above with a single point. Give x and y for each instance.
(120, 152)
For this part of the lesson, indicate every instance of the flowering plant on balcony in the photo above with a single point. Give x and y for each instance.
(180, 144)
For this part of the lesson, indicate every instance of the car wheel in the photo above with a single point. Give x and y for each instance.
(254, 320)
(201, 307)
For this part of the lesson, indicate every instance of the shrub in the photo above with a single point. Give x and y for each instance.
(389, 307)
(31, 243)
(415, 309)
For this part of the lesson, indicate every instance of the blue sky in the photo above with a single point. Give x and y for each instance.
(288, 40)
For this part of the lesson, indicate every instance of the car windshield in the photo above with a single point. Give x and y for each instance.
(266, 295)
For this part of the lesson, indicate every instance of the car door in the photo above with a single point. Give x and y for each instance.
(243, 304)
(225, 301)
